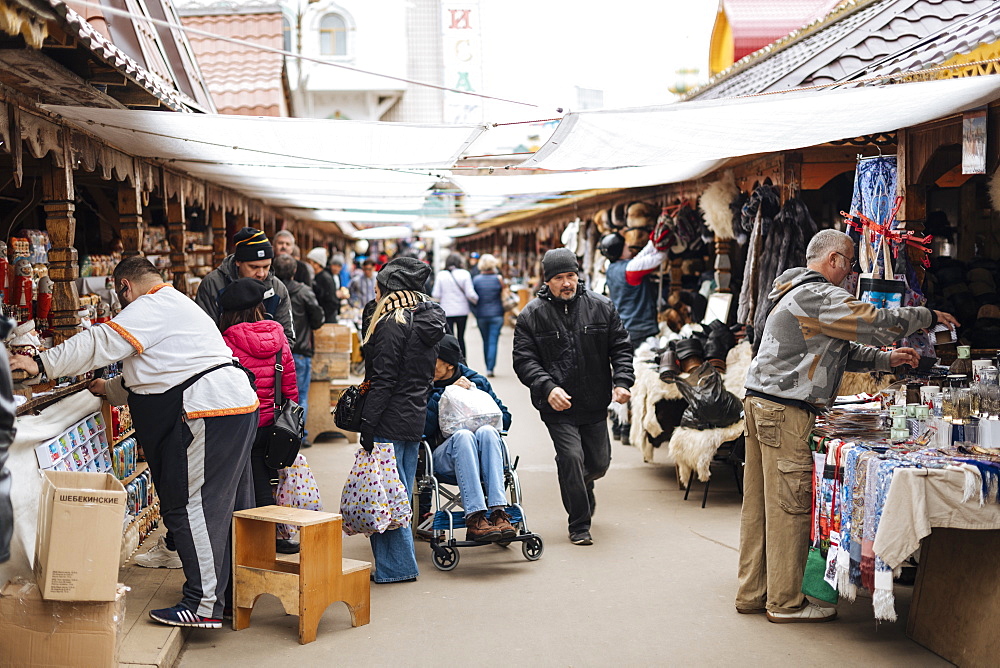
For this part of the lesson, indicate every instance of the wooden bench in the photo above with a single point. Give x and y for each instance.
(306, 588)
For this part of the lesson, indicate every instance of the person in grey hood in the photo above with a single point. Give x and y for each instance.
(401, 346)
(815, 331)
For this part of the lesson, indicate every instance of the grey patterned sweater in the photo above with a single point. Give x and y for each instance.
(820, 331)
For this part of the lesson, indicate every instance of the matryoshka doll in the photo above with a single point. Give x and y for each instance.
(5, 276)
(43, 304)
(24, 289)
(103, 312)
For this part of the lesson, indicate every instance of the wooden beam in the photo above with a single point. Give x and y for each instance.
(60, 222)
(130, 216)
(176, 232)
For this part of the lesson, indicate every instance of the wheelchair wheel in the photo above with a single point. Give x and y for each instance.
(532, 548)
(445, 558)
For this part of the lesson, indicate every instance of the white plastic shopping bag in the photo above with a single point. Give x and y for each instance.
(467, 409)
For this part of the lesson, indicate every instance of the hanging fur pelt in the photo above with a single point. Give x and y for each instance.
(995, 190)
(784, 247)
(715, 202)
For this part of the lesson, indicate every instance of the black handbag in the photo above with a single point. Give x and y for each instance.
(350, 407)
(289, 426)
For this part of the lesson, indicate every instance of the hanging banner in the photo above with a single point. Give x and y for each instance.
(463, 61)
(974, 141)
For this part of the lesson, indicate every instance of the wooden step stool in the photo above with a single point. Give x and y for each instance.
(305, 588)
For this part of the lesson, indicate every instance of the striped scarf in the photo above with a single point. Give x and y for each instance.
(394, 303)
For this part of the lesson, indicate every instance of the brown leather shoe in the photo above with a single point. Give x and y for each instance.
(478, 528)
(501, 520)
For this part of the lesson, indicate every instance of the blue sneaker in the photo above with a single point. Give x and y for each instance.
(181, 616)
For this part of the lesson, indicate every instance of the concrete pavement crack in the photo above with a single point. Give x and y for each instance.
(712, 540)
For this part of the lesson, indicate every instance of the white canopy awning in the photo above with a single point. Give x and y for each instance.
(290, 162)
(629, 177)
(689, 132)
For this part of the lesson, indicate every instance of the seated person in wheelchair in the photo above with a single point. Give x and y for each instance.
(475, 460)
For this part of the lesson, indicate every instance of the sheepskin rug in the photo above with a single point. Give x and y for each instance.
(693, 449)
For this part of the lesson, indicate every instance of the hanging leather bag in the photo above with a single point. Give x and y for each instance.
(289, 426)
(350, 407)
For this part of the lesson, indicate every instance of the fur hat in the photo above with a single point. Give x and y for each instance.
(403, 273)
(559, 261)
(318, 255)
(251, 245)
(242, 294)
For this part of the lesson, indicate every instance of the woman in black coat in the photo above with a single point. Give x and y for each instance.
(400, 348)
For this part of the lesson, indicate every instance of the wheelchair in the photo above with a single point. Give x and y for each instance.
(447, 515)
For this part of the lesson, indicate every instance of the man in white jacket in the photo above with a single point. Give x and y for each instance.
(195, 414)
(453, 288)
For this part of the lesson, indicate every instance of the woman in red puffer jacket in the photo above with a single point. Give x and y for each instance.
(255, 341)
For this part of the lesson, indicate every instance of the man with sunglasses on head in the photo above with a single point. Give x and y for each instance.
(195, 414)
(815, 331)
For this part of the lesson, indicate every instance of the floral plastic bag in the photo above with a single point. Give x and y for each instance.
(467, 409)
(296, 488)
(374, 498)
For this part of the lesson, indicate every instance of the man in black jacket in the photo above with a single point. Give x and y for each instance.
(571, 349)
(325, 284)
(307, 315)
(251, 258)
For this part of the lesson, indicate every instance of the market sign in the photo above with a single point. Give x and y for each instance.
(463, 61)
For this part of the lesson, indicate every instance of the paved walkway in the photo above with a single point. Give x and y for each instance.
(655, 589)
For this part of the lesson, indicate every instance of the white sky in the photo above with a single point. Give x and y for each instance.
(538, 50)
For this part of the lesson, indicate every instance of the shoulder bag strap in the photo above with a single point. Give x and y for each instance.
(278, 368)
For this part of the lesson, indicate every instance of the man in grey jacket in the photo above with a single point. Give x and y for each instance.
(815, 331)
(251, 258)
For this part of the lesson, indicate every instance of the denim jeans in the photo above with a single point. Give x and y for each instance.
(303, 375)
(490, 329)
(475, 461)
(393, 550)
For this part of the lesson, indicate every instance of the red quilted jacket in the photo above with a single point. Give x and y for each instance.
(255, 345)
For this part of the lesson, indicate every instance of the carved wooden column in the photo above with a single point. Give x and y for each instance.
(217, 221)
(60, 221)
(176, 228)
(723, 265)
(130, 218)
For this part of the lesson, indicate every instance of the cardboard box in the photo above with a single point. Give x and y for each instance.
(331, 366)
(80, 518)
(333, 338)
(35, 632)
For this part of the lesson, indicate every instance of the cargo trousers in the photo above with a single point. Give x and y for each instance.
(777, 502)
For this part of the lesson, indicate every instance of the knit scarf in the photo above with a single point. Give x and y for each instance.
(393, 304)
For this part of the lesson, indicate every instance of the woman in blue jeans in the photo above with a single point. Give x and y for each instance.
(473, 459)
(400, 342)
(489, 285)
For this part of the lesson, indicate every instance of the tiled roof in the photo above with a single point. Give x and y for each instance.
(962, 37)
(242, 80)
(121, 61)
(757, 23)
(852, 37)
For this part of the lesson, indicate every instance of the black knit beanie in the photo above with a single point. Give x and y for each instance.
(251, 245)
(403, 273)
(450, 351)
(242, 294)
(559, 261)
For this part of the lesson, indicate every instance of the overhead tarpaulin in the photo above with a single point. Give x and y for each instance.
(597, 179)
(286, 161)
(717, 129)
